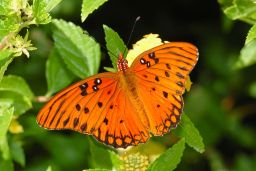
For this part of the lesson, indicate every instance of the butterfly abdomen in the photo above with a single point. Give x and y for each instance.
(128, 84)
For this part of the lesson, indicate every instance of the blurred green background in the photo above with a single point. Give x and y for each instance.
(221, 102)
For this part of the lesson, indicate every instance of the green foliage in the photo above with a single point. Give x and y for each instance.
(174, 153)
(40, 13)
(88, 6)
(16, 89)
(79, 51)
(240, 9)
(56, 68)
(191, 134)
(115, 45)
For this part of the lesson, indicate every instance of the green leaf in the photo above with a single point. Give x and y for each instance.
(241, 9)
(89, 6)
(16, 84)
(247, 55)
(80, 52)
(8, 25)
(40, 12)
(97, 170)
(15, 89)
(115, 45)
(251, 34)
(100, 157)
(51, 4)
(17, 153)
(169, 160)
(49, 168)
(57, 74)
(5, 60)
(4, 148)
(191, 134)
(6, 165)
(6, 113)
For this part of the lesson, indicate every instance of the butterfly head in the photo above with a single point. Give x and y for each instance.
(122, 63)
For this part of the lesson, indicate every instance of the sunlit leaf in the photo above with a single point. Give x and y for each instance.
(251, 34)
(247, 55)
(80, 52)
(5, 60)
(16, 84)
(115, 45)
(6, 113)
(40, 12)
(15, 88)
(89, 6)
(51, 4)
(169, 160)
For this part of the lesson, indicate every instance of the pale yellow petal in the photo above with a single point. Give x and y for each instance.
(147, 42)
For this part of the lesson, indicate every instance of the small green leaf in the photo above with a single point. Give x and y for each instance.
(247, 55)
(115, 45)
(251, 34)
(16, 84)
(17, 152)
(169, 160)
(40, 12)
(57, 74)
(80, 52)
(5, 60)
(89, 6)
(191, 134)
(51, 4)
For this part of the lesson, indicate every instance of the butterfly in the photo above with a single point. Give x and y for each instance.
(125, 108)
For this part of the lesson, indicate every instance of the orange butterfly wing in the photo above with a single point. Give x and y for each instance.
(95, 106)
(121, 109)
(161, 73)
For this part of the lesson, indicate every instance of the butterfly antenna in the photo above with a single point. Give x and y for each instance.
(127, 43)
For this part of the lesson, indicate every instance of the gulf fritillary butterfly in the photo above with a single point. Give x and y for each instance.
(126, 107)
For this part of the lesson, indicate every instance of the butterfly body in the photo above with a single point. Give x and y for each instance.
(127, 107)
